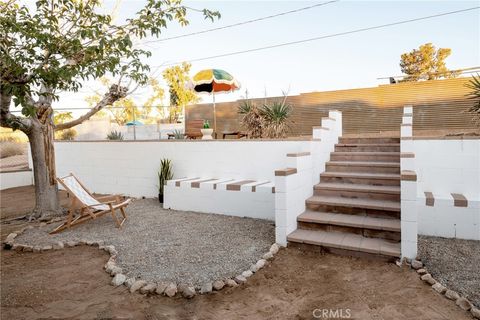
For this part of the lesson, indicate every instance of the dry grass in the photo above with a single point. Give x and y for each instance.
(7, 134)
(11, 148)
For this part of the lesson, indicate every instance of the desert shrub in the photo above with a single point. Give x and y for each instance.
(251, 119)
(474, 95)
(115, 135)
(276, 117)
(179, 135)
(67, 134)
(11, 148)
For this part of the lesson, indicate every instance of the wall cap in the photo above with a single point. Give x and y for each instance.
(298, 154)
(408, 175)
(285, 172)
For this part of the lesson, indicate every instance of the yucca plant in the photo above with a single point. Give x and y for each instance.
(474, 84)
(252, 119)
(115, 135)
(178, 135)
(165, 173)
(276, 117)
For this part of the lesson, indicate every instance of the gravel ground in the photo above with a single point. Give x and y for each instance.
(166, 245)
(455, 263)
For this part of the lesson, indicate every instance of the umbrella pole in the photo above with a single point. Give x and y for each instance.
(214, 116)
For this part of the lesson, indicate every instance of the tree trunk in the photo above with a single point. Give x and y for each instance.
(43, 156)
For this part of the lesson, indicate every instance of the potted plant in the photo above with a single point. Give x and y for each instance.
(165, 173)
(206, 131)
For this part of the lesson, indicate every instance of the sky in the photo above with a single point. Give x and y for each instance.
(343, 62)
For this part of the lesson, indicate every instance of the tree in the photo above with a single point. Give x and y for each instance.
(427, 63)
(55, 48)
(62, 117)
(177, 78)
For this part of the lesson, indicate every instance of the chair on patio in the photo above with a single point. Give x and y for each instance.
(192, 129)
(89, 207)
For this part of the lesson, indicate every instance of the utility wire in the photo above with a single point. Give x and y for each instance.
(241, 23)
(328, 36)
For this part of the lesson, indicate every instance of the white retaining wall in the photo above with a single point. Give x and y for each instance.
(446, 166)
(131, 167)
(16, 179)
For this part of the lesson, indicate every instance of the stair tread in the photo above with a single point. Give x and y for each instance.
(346, 241)
(355, 203)
(361, 175)
(358, 187)
(364, 163)
(350, 220)
(368, 153)
(368, 144)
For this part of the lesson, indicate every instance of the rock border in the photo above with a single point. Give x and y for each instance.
(169, 289)
(427, 278)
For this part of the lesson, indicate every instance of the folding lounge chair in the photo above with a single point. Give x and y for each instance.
(89, 207)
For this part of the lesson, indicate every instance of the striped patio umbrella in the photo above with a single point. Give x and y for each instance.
(214, 81)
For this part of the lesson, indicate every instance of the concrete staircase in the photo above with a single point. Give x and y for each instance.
(355, 209)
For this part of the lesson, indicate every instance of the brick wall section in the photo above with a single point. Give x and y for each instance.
(438, 105)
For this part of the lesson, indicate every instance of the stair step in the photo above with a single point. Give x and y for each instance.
(372, 204)
(364, 164)
(348, 220)
(361, 175)
(364, 156)
(366, 153)
(346, 241)
(368, 144)
(369, 140)
(357, 188)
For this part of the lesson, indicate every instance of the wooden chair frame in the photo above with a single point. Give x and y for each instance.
(88, 212)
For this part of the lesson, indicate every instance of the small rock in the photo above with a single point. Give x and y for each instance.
(253, 268)
(240, 279)
(109, 266)
(439, 288)
(428, 279)
(206, 288)
(274, 248)
(161, 287)
(475, 312)
(116, 270)
(17, 247)
(37, 249)
(464, 303)
(43, 224)
(111, 250)
(90, 243)
(98, 243)
(398, 263)
(27, 249)
(417, 264)
(218, 285)
(261, 263)
(452, 295)
(267, 256)
(137, 285)
(421, 271)
(10, 237)
(170, 290)
(247, 273)
(71, 243)
(231, 283)
(58, 245)
(149, 288)
(46, 248)
(129, 282)
(119, 279)
(82, 241)
(188, 292)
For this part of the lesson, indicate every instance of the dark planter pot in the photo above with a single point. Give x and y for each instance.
(160, 197)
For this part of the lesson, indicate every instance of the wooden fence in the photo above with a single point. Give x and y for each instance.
(438, 105)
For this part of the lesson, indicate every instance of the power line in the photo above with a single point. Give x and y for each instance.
(327, 36)
(461, 71)
(241, 23)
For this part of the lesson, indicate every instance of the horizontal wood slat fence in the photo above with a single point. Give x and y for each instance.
(437, 105)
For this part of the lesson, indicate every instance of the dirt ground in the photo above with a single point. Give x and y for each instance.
(71, 284)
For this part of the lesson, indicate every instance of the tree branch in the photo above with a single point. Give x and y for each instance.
(115, 93)
(7, 119)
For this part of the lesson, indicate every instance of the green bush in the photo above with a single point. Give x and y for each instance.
(115, 135)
